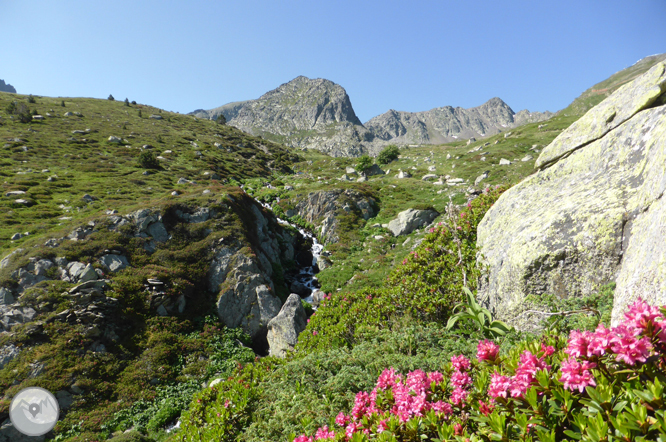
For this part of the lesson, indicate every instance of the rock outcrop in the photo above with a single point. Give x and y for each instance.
(410, 220)
(5, 87)
(283, 330)
(322, 209)
(594, 212)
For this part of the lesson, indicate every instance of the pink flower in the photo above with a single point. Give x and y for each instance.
(628, 347)
(577, 375)
(530, 364)
(642, 315)
(578, 342)
(303, 438)
(341, 419)
(458, 430)
(323, 433)
(547, 350)
(382, 426)
(458, 396)
(388, 379)
(600, 342)
(417, 381)
(460, 363)
(442, 407)
(352, 428)
(360, 405)
(227, 403)
(460, 380)
(487, 351)
(435, 377)
(498, 385)
(315, 333)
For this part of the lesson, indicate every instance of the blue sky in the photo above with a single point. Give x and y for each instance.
(407, 55)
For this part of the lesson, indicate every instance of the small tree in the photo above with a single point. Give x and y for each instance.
(62, 103)
(139, 113)
(133, 103)
(364, 163)
(111, 98)
(147, 160)
(31, 99)
(388, 154)
(126, 102)
(221, 119)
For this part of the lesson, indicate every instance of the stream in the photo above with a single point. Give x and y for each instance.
(306, 274)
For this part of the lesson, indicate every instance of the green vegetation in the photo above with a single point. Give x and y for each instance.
(388, 154)
(364, 162)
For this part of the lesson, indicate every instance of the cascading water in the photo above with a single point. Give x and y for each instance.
(306, 274)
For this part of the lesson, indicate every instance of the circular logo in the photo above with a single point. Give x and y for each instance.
(34, 411)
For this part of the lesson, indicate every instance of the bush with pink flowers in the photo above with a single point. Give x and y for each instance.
(606, 385)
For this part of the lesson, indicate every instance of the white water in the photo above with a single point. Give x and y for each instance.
(306, 275)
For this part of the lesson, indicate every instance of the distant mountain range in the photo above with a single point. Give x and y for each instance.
(6, 87)
(317, 113)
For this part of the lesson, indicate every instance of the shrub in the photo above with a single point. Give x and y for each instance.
(604, 385)
(31, 99)
(127, 102)
(388, 154)
(364, 162)
(147, 160)
(221, 119)
(111, 98)
(62, 103)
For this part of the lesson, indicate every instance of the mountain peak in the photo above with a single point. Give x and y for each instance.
(5, 87)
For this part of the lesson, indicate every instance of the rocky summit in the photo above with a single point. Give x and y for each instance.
(593, 213)
(5, 87)
(318, 114)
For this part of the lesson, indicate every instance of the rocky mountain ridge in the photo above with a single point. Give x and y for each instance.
(318, 114)
(6, 87)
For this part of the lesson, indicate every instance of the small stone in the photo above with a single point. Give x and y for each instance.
(115, 140)
(206, 191)
(175, 193)
(527, 158)
(504, 161)
(156, 117)
(15, 193)
(16, 236)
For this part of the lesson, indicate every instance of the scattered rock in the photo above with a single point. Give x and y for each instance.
(402, 174)
(115, 140)
(6, 296)
(410, 220)
(114, 263)
(428, 177)
(527, 158)
(481, 177)
(16, 237)
(323, 262)
(156, 117)
(15, 193)
(283, 330)
(504, 162)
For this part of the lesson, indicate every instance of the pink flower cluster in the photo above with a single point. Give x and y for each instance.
(487, 351)
(630, 342)
(460, 380)
(520, 382)
(412, 397)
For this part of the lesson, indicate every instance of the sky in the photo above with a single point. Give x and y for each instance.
(404, 55)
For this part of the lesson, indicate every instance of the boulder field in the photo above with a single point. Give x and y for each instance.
(591, 214)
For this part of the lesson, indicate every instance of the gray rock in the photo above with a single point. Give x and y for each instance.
(410, 220)
(112, 139)
(593, 214)
(481, 177)
(75, 270)
(156, 117)
(527, 158)
(16, 236)
(183, 181)
(88, 274)
(158, 232)
(42, 266)
(15, 193)
(99, 284)
(10, 434)
(402, 174)
(350, 170)
(323, 262)
(300, 289)
(6, 296)
(432, 168)
(373, 170)
(318, 297)
(114, 263)
(428, 177)
(7, 354)
(6, 87)
(65, 399)
(283, 330)
(504, 162)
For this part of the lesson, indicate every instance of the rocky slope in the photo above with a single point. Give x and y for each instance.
(317, 114)
(5, 87)
(593, 213)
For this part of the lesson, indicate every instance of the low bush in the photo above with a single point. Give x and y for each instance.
(388, 154)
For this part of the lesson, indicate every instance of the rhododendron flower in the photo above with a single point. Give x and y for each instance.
(627, 347)
(530, 364)
(642, 315)
(485, 409)
(341, 419)
(460, 363)
(382, 426)
(351, 429)
(547, 350)
(323, 433)
(600, 341)
(498, 385)
(388, 379)
(459, 379)
(360, 405)
(577, 375)
(435, 377)
(442, 407)
(487, 351)
(458, 396)
(458, 430)
(578, 342)
(303, 438)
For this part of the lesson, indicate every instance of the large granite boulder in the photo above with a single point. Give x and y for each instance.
(410, 220)
(283, 330)
(592, 214)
